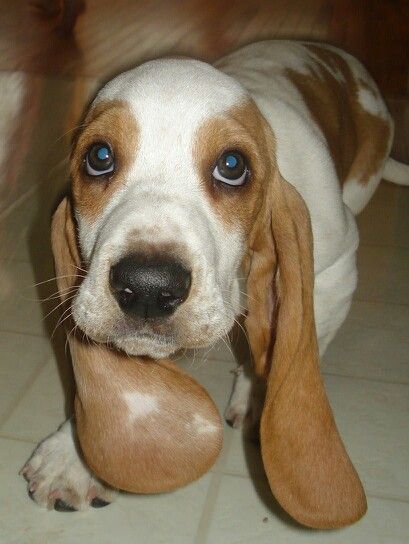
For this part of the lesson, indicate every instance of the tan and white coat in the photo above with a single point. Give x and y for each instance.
(311, 122)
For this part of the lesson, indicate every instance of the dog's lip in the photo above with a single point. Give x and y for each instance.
(151, 337)
(146, 345)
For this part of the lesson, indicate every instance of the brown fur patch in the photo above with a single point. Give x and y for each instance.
(305, 460)
(110, 122)
(357, 140)
(241, 128)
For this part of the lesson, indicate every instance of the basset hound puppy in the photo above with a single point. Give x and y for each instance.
(188, 177)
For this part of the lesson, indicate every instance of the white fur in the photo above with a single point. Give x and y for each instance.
(202, 425)
(397, 172)
(56, 471)
(140, 405)
(240, 399)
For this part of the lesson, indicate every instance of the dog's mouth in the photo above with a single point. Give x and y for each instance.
(197, 323)
(146, 344)
(133, 337)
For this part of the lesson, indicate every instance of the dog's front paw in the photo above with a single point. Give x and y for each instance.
(58, 478)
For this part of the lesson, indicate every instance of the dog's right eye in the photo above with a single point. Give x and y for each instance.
(99, 160)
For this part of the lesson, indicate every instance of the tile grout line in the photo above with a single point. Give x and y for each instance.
(20, 200)
(387, 302)
(388, 497)
(208, 508)
(31, 334)
(362, 378)
(383, 246)
(374, 495)
(5, 436)
(30, 381)
(211, 497)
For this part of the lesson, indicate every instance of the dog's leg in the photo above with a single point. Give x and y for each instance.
(58, 478)
(247, 397)
(246, 402)
(239, 402)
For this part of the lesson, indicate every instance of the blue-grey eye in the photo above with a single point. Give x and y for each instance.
(99, 160)
(231, 168)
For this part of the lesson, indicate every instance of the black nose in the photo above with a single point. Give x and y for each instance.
(149, 286)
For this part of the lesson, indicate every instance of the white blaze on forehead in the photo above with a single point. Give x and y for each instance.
(170, 100)
(140, 404)
(181, 87)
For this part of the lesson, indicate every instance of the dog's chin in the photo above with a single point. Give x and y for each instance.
(155, 347)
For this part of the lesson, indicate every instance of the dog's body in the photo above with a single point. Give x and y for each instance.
(285, 80)
(333, 136)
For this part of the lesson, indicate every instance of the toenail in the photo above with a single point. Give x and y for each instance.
(97, 502)
(62, 506)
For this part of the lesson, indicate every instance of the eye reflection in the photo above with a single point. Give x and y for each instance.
(231, 168)
(99, 160)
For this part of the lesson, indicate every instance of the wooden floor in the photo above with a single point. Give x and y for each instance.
(113, 35)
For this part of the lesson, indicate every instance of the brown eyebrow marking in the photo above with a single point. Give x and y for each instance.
(241, 128)
(112, 122)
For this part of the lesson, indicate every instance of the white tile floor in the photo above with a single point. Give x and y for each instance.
(366, 373)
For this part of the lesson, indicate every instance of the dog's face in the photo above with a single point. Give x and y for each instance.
(166, 178)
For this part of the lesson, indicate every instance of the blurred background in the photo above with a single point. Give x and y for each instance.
(54, 54)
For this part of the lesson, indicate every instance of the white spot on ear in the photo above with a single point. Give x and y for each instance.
(202, 425)
(140, 404)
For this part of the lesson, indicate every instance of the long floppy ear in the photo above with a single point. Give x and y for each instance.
(307, 466)
(65, 250)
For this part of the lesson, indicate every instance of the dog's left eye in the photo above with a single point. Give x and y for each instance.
(99, 160)
(231, 168)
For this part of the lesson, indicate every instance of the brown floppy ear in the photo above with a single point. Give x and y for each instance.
(307, 466)
(64, 245)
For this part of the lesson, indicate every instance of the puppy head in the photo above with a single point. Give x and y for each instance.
(165, 175)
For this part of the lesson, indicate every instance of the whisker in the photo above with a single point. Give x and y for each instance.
(227, 342)
(69, 131)
(68, 335)
(61, 320)
(58, 305)
(56, 278)
(243, 329)
(192, 362)
(53, 296)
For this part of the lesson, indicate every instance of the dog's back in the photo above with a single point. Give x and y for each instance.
(334, 135)
(324, 107)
